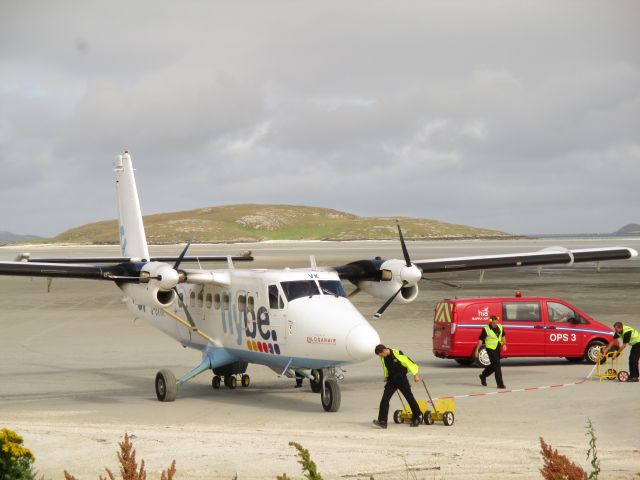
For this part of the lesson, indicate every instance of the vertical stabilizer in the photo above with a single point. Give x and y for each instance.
(133, 241)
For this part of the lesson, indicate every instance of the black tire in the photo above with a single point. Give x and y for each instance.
(483, 359)
(316, 382)
(330, 397)
(245, 380)
(448, 418)
(396, 416)
(215, 382)
(466, 362)
(166, 386)
(591, 352)
(611, 374)
(575, 359)
(426, 418)
(231, 381)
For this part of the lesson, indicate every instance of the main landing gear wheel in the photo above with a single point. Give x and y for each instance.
(623, 376)
(448, 418)
(396, 416)
(216, 381)
(330, 396)
(316, 382)
(166, 386)
(245, 380)
(426, 418)
(230, 381)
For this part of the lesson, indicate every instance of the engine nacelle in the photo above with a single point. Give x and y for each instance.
(149, 294)
(161, 274)
(393, 274)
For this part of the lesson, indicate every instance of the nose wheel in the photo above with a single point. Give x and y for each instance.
(330, 393)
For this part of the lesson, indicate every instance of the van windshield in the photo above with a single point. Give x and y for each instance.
(299, 288)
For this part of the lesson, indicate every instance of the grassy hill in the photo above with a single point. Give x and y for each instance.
(250, 223)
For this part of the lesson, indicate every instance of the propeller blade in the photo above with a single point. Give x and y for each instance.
(184, 306)
(405, 252)
(442, 282)
(175, 267)
(381, 310)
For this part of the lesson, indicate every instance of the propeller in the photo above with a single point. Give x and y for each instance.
(381, 310)
(175, 289)
(408, 264)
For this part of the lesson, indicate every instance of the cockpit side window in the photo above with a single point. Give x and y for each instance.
(299, 288)
(275, 300)
(332, 287)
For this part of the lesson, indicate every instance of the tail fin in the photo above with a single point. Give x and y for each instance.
(133, 241)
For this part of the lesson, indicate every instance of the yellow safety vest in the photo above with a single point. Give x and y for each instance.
(404, 361)
(492, 340)
(635, 335)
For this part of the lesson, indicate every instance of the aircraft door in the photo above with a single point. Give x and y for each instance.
(276, 318)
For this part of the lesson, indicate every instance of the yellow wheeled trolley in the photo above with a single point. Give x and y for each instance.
(441, 411)
(608, 367)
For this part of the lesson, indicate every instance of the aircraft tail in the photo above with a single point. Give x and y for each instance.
(133, 241)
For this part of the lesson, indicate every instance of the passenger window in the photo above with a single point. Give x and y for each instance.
(332, 287)
(521, 311)
(275, 300)
(225, 301)
(192, 299)
(208, 300)
(216, 301)
(200, 299)
(559, 313)
(242, 303)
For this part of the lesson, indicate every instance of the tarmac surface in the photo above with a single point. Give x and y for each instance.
(76, 373)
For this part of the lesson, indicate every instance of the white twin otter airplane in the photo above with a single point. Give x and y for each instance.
(295, 321)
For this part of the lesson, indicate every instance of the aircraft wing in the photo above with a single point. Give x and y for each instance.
(55, 270)
(372, 270)
(245, 257)
(550, 256)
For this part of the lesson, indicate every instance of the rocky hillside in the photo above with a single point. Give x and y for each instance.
(250, 223)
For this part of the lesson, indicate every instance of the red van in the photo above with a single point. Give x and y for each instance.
(534, 326)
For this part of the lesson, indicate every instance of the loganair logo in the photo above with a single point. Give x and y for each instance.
(321, 340)
(249, 327)
(482, 314)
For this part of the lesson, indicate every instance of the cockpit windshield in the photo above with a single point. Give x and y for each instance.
(299, 288)
(332, 287)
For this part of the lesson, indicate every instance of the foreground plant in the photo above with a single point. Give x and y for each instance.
(129, 467)
(557, 466)
(16, 461)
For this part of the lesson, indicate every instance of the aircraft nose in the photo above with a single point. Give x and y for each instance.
(361, 342)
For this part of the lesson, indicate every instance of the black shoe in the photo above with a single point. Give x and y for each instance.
(415, 422)
(483, 380)
(380, 424)
(298, 385)
(632, 379)
(502, 387)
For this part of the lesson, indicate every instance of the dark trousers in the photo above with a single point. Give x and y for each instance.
(634, 356)
(393, 384)
(494, 356)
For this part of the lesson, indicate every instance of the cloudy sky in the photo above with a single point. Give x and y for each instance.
(519, 116)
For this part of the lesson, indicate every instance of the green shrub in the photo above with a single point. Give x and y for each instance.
(16, 461)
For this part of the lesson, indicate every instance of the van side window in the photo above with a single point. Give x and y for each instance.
(559, 313)
(521, 311)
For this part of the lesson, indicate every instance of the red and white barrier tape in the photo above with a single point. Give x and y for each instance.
(528, 389)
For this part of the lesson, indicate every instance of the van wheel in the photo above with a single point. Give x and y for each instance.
(464, 361)
(592, 351)
(483, 358)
